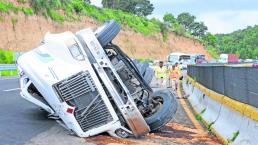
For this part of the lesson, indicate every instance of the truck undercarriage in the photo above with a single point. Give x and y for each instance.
(91, 86)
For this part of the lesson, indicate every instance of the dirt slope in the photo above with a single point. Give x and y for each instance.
(27, 32)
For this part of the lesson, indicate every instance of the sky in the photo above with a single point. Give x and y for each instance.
(221, 16)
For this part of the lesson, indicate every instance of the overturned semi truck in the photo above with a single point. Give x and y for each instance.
(90, 86)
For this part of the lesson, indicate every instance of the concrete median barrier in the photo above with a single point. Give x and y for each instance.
(231, 121)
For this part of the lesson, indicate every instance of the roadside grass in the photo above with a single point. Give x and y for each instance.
(142, 60)
(71, 10)
(9, 73)
(7, 7)
(6, 56)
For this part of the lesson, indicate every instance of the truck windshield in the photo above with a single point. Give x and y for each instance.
(184, 57)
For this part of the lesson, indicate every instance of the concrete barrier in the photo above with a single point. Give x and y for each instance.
(233, 122)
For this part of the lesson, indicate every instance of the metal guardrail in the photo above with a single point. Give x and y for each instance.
(10, 67)
(239, 83)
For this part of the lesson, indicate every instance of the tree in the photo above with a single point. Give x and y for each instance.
(180, 30)
(143, 8)
(186, 19)
(43, 5)
(198, 29)
(87, 1)
(110, 3)
(209, 39)
(137, 7)
(164, 29)
(243, 42)
(168, 17)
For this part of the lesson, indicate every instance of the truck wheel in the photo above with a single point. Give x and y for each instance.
(107, 32)
(144, 69)
(148, 75)
(165, 111)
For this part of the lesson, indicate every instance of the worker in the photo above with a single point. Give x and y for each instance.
(176, 66)
(179, 71)
(174, 76)
(161, 74)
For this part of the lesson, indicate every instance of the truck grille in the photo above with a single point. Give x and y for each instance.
(80, 91)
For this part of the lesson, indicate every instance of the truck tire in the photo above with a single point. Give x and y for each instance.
(107, 32)
(148, 75)
(144, 69)
(166, 111)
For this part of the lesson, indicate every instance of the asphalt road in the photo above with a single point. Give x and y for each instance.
(23, 123)
(19, 120)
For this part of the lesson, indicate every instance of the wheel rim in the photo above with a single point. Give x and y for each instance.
(154, 105)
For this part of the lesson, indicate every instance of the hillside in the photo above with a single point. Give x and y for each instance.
(24, 29)
(243, 42)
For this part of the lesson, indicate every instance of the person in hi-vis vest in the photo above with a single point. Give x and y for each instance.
(174, 76)
(161, 74)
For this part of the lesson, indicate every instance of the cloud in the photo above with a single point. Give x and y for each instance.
(221, 16)
(161, 2)
(228, 21)
(96, 3)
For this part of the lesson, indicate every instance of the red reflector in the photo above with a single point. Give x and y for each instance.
(69, 110)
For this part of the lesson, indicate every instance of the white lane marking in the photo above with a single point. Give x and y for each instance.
(9, 90)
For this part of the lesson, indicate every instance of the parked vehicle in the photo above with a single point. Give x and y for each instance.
(229, 58)
(91, 86)
(181, 58)
(197, 58)
(248, 60)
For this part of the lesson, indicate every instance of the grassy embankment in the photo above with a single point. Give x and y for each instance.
(6, 57)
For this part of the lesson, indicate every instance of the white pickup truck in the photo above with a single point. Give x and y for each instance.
(90, 85)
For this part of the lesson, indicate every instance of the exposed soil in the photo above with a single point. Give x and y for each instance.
(28, 31)
(180, 131)
(172, 134)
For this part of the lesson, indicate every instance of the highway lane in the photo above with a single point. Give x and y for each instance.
(22, 123)
(19, 120)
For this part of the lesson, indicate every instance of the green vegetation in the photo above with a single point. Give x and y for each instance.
(145, 60)
(6, 7)
(27, 11)
(6, 57)
(65, 10)
(209, 126)
(213, 52)
(137, 7)
(9, 73)
(199, 116)
(131, 14)
(185, 25)
(243, 42)
(55, 16)
(234, 136)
